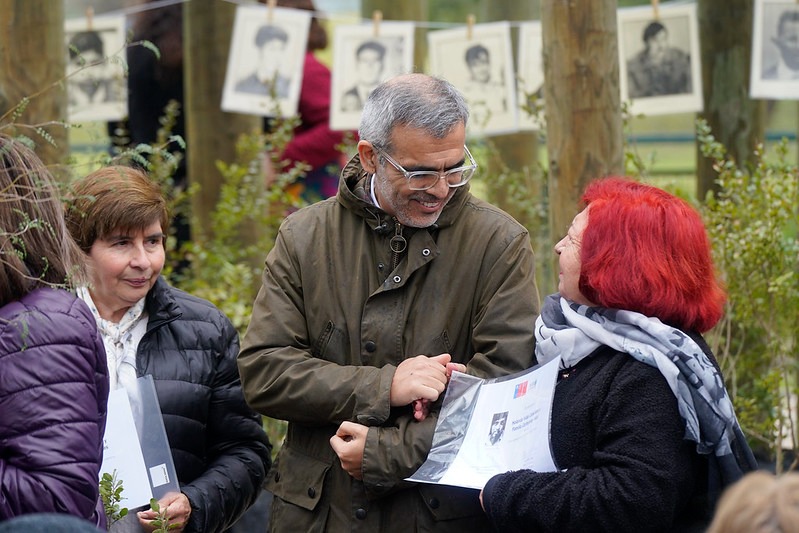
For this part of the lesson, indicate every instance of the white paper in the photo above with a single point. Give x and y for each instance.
(122, 452)
(488, 427)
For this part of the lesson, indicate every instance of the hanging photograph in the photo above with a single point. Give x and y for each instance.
(479, 62)
(363, 56)
(530, 73)
(264, 69)
(97, 89)
(775, 50)
(659, 63)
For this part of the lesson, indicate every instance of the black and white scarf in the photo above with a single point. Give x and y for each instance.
(574, 331)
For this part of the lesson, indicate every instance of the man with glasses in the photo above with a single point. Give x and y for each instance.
(369, 301)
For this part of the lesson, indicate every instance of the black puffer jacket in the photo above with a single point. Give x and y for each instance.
(220, 450)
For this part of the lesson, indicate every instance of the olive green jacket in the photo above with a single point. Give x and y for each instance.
(334, 318)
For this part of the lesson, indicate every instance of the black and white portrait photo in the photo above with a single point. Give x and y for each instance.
(481, 66)
(775, 50)
(659, 59)
(96, 83)
(530, 71)
(497, 429)
(267, 51)
(362, 59)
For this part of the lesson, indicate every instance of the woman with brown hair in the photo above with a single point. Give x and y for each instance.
(221, 454)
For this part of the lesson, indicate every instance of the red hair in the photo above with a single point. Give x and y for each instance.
(647, 251)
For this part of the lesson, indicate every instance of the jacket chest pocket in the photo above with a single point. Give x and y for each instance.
(331, 345)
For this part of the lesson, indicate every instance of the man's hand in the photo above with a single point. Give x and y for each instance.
(177, 508)
(421, 408)
(452, 367)
(349, 443)
(419, 378)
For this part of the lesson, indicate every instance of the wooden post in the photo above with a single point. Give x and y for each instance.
(581, 89)
(210, 133)
(725, 27)
(33, 61)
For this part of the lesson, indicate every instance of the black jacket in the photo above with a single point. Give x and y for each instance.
(617, 437)
(220, 450)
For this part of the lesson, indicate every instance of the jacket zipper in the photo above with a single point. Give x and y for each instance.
(398, 245)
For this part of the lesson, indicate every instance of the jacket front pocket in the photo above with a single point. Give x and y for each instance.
(298, 478)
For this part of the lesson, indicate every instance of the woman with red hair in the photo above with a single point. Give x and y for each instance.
(642, 429)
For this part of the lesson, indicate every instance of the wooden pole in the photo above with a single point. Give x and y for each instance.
(518, 152)
(211, 134)
(581, 89)
(736, 121)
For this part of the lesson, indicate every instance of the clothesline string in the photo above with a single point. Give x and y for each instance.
(318, 14)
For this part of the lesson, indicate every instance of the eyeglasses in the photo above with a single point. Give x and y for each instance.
(421, 180)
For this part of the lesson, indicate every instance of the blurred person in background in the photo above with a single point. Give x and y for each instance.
(313, 142)
(759, 503)
(154, 82)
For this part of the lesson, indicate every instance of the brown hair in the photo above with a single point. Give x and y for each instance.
(114, 198)
(317, 35)
(35, 248)
(759, 503)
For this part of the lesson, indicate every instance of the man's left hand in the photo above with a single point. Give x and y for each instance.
(349, 443)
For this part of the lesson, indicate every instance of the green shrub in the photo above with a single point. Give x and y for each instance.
(752, 222)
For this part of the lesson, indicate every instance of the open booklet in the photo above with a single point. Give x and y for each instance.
(490, 426)
(135, 445)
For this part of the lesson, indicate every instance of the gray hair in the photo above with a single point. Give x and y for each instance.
(417, 101)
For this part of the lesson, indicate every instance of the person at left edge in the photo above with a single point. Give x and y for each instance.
(53, 374)
(119, 217)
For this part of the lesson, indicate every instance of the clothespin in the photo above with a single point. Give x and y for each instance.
(377, 17)
(89, 18)
(469, 26)
(270, 10)
(655, 12)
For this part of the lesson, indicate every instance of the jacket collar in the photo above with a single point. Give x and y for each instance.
(161, 305)
(353, 193)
